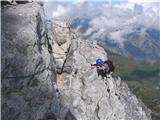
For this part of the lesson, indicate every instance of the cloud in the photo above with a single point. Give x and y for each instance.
(56, 0)
(60, 11)
(121, 19)
(143, 1)
(122, 16)
(79, 1)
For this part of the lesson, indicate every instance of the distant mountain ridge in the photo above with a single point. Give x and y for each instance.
(47, 74)
(127, 28)
(138, 43)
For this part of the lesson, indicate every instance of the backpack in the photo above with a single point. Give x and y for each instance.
(110, 64)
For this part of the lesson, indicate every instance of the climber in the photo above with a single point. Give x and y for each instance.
(104, 68)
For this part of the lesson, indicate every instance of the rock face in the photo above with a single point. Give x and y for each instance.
(14, 2)
(28, 72)
(83, 94)
(31, 56)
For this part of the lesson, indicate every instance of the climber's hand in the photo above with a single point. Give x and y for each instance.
(92, 66)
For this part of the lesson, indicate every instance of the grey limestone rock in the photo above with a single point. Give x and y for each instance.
(31, 56)
(28, 71)
(86, 96)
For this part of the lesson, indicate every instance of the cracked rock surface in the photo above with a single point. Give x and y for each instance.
(82, 93)
(35, 59)
(27, 68)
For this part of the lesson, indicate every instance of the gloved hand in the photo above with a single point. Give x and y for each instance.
(92, 66)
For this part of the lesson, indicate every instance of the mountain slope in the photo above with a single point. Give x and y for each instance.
(138, 42)
(47, 74)
(81, 91)
(127, 28)
(142, 78)
(130, 32)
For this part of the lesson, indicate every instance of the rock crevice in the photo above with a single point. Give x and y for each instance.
(29, 74)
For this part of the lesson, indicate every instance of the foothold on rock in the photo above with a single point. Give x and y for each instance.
(108, 90)
(50, 116)
(69, 116)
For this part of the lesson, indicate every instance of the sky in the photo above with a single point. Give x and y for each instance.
(123, 18)
(113, 2)
(58, 9)
(135, 1)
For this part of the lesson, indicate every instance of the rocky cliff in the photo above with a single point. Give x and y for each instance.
(46, 75)
(28, 72)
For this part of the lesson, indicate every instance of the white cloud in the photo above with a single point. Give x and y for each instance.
(123, 19)
(88, 32)
(55, 0)
(117, 37)
(143, 1)
(117, 21)
(80, 1)
(60, 11)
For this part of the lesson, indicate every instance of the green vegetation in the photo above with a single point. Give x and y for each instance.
(143, 79)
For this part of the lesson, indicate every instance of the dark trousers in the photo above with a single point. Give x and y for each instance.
(102, 73)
